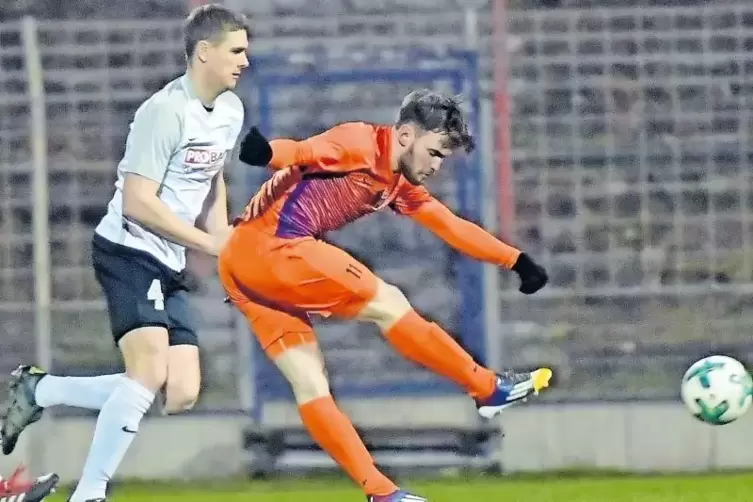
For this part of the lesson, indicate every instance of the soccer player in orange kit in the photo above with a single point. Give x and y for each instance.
(278, 272)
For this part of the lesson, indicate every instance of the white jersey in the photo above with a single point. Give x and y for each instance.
(175, 141)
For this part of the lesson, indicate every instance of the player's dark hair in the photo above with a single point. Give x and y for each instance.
(436, 112)
(211, 22)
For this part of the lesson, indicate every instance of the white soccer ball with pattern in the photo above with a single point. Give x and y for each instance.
(717, 389)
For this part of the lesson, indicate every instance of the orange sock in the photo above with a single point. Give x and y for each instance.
(429, 345)
(335, 434)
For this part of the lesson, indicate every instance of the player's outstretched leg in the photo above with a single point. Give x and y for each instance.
(32, 390)
(429, 345)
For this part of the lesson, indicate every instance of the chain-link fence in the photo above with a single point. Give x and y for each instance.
(630, 146)
(631, 168)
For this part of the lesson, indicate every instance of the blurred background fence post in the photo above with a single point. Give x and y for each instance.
(40, 224)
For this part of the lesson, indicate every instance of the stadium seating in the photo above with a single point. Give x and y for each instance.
(398, 451)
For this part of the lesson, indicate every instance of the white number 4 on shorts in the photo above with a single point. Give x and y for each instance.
(155, 295)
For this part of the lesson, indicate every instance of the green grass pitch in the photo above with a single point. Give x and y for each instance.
(568, 488)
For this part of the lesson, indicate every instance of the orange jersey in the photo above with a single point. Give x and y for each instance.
(329, 180)
(347, 175)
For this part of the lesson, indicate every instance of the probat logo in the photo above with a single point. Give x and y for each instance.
(199, 156)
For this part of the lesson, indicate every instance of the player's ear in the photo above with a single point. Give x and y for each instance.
(406, 134)
(202, 50)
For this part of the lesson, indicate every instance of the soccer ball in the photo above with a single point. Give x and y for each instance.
(717, 390)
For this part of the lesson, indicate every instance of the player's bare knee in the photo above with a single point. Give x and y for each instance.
(145, 352)
(387, 307)
(304, 370)
(183, 378)
(308, 383)
(180, 396)
(310, 386)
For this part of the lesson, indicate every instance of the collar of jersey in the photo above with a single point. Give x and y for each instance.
(188, 86)
(384, 144)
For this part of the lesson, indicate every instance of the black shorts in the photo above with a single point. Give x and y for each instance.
(141, 292)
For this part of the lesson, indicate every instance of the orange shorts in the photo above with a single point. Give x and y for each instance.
(278, 283)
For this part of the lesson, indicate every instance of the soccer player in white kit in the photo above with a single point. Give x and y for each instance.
(170, 195)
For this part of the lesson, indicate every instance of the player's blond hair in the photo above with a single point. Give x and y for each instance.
(437, 112)
(211, 22)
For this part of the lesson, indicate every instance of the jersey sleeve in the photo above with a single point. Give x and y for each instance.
(460, 234)
(154, 137)
(343, 148)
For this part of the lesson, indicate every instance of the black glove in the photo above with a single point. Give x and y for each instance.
(532, 275)
(255, 149)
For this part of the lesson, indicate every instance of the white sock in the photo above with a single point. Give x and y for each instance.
(117, 425)
(81, 392)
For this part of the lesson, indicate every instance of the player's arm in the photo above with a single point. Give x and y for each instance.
(214, 216)
(463, 235)
(342, 145)
(142, 205)
(469, 238)
(154, 137)
(316, 150)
